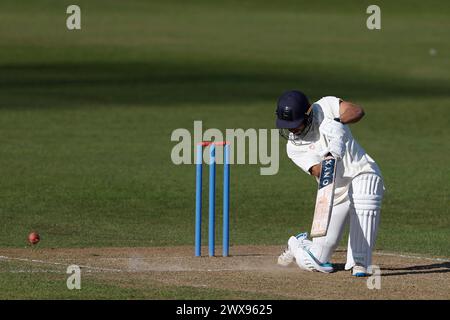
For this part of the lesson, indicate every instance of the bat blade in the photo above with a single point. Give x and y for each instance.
(325, 197)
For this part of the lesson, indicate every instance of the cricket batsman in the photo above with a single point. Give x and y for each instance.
(313, 132)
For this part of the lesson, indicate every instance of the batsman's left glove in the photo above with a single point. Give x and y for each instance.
(334, 131)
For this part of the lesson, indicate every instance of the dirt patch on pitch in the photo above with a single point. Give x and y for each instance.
(250, 270)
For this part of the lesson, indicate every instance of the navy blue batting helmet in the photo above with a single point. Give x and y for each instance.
(292, 108)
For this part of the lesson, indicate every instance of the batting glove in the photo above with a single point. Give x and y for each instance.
(336, 147)
(332, 129)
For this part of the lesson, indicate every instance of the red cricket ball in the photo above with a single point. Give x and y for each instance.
(34, 238)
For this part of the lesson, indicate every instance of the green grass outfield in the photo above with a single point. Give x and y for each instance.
(86, 116)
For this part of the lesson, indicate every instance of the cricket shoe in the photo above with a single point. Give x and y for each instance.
(359, 271)
(306, 260)
(287, 257)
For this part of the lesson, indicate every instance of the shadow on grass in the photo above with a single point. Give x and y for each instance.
(422, 269)
(147, 84)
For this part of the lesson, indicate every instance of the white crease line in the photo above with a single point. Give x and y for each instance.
(190, 270)
(32, 271)
(184, 257)
(58, 264)
(410, 257)
(118, 270)
(196, 270)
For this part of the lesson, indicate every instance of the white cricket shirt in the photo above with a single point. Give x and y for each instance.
(354, 162)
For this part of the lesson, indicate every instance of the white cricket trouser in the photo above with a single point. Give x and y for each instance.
(363, 208)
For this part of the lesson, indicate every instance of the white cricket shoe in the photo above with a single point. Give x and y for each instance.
(287, 257)
(306, 260)
(359, 271)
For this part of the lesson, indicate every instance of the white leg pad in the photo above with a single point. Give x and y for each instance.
(365, 194)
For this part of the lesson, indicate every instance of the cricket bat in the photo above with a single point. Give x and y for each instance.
(325, 196)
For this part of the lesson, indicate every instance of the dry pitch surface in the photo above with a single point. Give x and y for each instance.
(250, 270)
